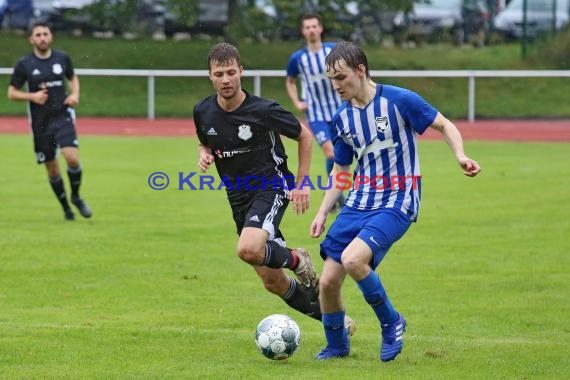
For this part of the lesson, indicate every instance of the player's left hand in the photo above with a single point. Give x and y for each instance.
(72, 100)
(300, 200)
(471, 167)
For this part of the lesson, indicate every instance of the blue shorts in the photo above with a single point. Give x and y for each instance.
(379, 229)
(321, 130)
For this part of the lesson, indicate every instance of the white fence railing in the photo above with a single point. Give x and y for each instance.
(258, 74)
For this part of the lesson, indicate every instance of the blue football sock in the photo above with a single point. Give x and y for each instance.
(376, 296)
(336, 334)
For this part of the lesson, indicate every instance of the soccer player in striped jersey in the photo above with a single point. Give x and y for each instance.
(319, 101)
(376, 126)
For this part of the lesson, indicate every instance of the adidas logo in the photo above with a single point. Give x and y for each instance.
(212, 132)
(36, 72)
(254, 218)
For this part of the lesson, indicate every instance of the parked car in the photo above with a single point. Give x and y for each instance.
(540, 17)
(16, 14)
(373, 23)
(213, 17)
(93, 15)
(62, 14)
(458, 21)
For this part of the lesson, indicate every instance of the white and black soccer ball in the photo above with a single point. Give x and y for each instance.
(277, 336)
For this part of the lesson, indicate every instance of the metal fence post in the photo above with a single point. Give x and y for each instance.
(471, 90)
(150, 97)
(257, 84)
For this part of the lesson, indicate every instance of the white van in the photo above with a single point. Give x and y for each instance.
(540, 17)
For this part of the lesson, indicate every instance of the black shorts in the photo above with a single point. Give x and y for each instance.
(263, 209)
(53, 131)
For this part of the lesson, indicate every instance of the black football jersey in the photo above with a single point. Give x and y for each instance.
(47, 73)
(246, 142)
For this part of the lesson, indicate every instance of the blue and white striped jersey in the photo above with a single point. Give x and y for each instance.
(382, 138)
(316, 87)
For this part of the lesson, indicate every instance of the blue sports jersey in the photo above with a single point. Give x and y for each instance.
(317, 88)
(382, 138)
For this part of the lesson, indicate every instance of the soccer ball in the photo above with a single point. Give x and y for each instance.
(277, 336)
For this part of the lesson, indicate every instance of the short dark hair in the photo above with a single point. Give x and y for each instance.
(223, 53)
(352, 55)
(38, 23)
(310, 16)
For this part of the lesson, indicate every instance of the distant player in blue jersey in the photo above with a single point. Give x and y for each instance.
(319, 101)
(51, 109)
(376, 126)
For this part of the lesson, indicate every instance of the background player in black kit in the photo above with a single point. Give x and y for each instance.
(51, 110)
(240, 133)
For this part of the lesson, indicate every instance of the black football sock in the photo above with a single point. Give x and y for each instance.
(277, 256)
(299, 300)
(59, 191)
(75, 180)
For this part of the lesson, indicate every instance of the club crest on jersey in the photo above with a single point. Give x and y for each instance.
(244, 132)
(56, 68)
(382, 123)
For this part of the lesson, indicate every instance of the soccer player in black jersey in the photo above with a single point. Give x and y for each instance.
(51, 112)
(240, 133)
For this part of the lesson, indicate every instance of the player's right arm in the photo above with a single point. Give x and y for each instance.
(39, 97)
(291, 83)
(206, 158)
(291, 86)
(17, 80)
(331, 197)
(300, 196)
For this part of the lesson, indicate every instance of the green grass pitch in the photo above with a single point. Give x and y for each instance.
(151, 288)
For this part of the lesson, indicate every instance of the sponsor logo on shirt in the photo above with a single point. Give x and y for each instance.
(376, 146)
(55, 83)
(229, 153)
(347, 135)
